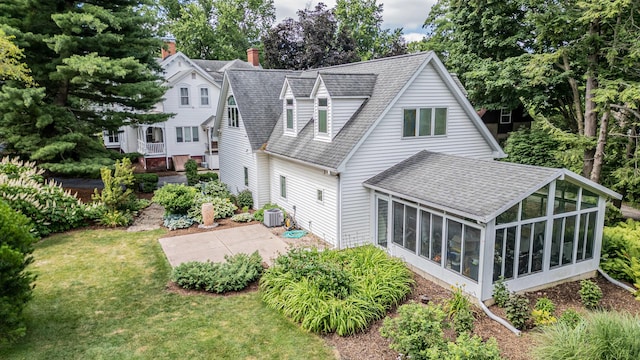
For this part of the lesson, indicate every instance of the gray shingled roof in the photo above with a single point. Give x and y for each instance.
(301, 86)
(216, 68)
(257, 94)
(348, 84)
(472, 188)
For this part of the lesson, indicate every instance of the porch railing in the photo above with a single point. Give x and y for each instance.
(150, 148)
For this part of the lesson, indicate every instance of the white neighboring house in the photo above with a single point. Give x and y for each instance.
(391, 152)
(192, 96)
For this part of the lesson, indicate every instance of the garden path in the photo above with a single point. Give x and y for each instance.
(150, 218)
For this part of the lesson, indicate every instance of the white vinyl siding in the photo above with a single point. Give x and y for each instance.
(341, 111)
(303, 113)
(320, 218)
(385, 147)
(262, 180)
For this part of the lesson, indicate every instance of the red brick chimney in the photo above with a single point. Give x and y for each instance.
(169, 47)
(253, 57)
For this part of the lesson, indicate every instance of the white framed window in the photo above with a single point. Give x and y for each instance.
(320, 195)
(184, 96)
(246, 176)
(187, 134)
(232, 112)
(283, 186)
(289, 109)
(113, 136)
(322, 115)
(505, 116)
(204, 96)
(420, 122)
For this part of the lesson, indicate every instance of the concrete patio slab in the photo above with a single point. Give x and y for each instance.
(214, 245)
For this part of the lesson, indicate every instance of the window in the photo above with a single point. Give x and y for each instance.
(232, 113)
(289, 114)
(320, 195)
(246, 176)
(322, 116)
(283, 187)
(404, 226)
(113, 136)
(184, 96)
(505, 116)
(431, 236)
(382, 221)
(204, 96)
(430, 122)
(187, 134)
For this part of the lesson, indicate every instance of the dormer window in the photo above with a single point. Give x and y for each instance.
(232, 112)
(289, 114)
(322, 115)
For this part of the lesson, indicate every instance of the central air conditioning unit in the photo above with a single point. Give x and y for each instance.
(273, 217)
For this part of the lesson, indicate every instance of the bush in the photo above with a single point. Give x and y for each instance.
(259, 214)
(177, 221)
(245, 198)
(517, 310)
(244, 217)
(191, 169)
(602, 335)
(16, 246)
(459, 312)
(146, 183)
(543, 312)
(115, 218)
(545, 304)
(175, 198)
(235, 274)
(335, 291)
(222, 207)
(215, 189)
(500, 293)
(570, 318)
(472, 348)
(207, 177)
(117, 193)
(621, 252)
(590, 294)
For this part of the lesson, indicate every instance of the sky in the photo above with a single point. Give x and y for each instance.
(407, 14)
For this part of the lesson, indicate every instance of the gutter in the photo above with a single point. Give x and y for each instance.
(332, 171)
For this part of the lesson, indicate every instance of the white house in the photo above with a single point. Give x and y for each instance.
(391, 152)
(192, 96)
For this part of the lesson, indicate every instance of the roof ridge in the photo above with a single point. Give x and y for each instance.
(421, 53)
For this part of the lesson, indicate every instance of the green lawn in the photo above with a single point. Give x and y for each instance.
(100, 294)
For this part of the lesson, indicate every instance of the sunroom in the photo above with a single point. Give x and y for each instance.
(468, 222)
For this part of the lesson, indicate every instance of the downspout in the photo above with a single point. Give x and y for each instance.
(616, 282)
(166, 145)
(498, 319)
(209, 130)
(339, 238)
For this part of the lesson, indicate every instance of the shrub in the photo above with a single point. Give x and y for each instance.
(621, 252)
(472, 348)
(177, 221)
(175, 198)
(543, 312)
(215, 189)
(244, 217)
(235, 274)
(590, 294)
(459, 312)
(602, 335)
(245, 198)
(335, 291)
(146, 183)
(417, 331)
(222, 207)
(115, 218)
(16, 246)
(207, 177)
(570, 318)
(517, 310)
(259, 214)
(500, 293)
(117, 193)
(545, 304)
(191, 170)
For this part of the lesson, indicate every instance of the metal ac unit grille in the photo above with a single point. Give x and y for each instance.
(273, 217)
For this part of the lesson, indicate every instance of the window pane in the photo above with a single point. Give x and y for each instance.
(589, 200)
(398, 222)
(567, 244)
(179, 137)
(184, 96)
(409, 125)
(425, 122)
(283, 186)
(289, 118)
(556, 240)
(204, 96)
(525, 244)
(322, 102)
(319, 195)
(246, 176)
(383, 211)
(289, 101)
(509, 253)
(538, 246)
(194, 131)
(436, 238)
(322, 121)
(498, 255)
(535, 205)
(425, 232)
(508, 216)
(566, 197)
(454, 245)
(231, 100)
(581, 237)
(410, 234)
(591, 234)
(471, 259)
(187, 135)
(441, 122)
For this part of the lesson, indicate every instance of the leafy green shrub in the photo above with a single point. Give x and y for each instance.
(459, 311)
(16, 246)
(335, 291)
(543, 312)
(517, 310)
(177, 221)
(244, 217)
(472, 348)
(259, 214)
(115, 218)
(207, 177)
(601, 335)
(500, 293)
(612, 215)
(175, 198)
(215, 189)
(590, 294)
(222, 207)
(191, 170)
(245, 198)
(545, 304)
(417, 331)
(621, 252)
(117, 196)
(235, 274)
(570, 318)
(146, 183)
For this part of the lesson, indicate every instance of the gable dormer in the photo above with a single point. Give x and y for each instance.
(336, 99)
(297, 106)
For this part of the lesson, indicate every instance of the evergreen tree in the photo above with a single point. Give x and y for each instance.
(95, 65)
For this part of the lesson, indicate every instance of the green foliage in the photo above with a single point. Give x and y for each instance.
(11, 67)
(517, 310)
(244, 217)
(117, 193)
(245, 199)
(612, 215)
(175, 198)
(500, 292)
(570, 318)
(50, 208)
(535, 146)
(259, 214)
(16, 246)
(207, 177)
(467, 347)
(177, 221)
(602, 335)
(590, 294)
(621, 251)
(545, 304)
(222, 207)
(459, 311)
(417, 331)
(233, 275)
(215, 188)
(191, 170)
(115, 218)
(335, 291)
(543, 312)
(146, 183)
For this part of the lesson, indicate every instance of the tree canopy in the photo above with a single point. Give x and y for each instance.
(95, 67)
(11, 65)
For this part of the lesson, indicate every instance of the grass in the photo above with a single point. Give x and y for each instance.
(100, 294)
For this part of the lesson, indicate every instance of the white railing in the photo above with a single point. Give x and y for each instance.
(150, 148)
